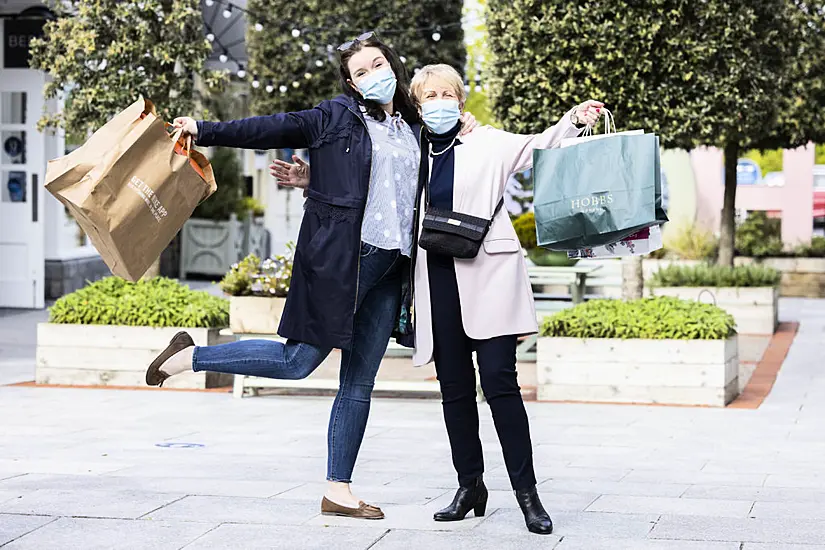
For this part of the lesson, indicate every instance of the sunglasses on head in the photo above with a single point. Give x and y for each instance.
(347, 45)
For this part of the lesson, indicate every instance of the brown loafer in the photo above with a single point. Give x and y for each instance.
(364, 510)
(155, 376)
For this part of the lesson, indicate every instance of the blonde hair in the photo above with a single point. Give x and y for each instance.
(442, 71)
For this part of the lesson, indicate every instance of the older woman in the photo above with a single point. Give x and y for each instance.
(480, 304)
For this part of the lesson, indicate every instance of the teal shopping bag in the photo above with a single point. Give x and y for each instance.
(597, 192)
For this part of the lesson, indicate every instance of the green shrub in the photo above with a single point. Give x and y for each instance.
(693, 243)
(661, 318)
(228, 199)
(759, 236)
(716, 276)
(525, 226)
(814, 250)
(157, 302)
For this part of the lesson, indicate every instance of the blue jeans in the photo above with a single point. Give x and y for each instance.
(379, 297)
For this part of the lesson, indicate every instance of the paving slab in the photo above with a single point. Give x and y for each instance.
(110, 534)
(789, 510)
(797, 531)
(237, 510)
(13, 527)
(589, 543)
(627, 526)
(404, 517)
(757, 494)
(601, 487)
(266, 537)
(401, 539)
(85, 503)
(675, 506)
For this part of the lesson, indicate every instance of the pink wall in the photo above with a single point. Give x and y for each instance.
(794, 199)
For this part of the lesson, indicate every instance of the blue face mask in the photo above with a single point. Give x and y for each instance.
(440, 115)
(379, 86)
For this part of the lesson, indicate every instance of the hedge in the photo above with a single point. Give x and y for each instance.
(716, 276)
(158, 302)
(662, 318)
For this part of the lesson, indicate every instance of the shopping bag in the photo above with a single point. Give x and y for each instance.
(596, 192)
(132, 191)
(640, 243)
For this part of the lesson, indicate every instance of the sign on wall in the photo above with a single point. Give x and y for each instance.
(17, 35)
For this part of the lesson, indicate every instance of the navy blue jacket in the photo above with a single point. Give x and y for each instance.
(321, 302)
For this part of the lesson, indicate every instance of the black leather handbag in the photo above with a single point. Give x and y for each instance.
(454, 234)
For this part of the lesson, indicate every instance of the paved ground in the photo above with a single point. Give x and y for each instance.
(93, 469)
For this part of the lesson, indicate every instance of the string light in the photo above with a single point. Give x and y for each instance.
(295, 84)
(296, 33)
(255, 82)
(283, 89)
(223, 57)
(210, 37)
(259, 27)
(270, 88)
(306, 47)
(307, 75)
(209, 3)
(436, 36)
(241, 72)
(227, 12)
(319, 63)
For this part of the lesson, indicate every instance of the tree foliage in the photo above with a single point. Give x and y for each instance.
(737, 74)
(104, 54)
(280, 61)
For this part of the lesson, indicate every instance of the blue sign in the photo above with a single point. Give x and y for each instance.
(748, 172)
(174, 445)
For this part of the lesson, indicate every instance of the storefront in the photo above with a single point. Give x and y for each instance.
(40, 256)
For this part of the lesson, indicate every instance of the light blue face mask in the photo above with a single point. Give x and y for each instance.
(379, 86)
(440, 115)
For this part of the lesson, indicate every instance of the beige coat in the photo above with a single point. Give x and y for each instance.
(494, 288)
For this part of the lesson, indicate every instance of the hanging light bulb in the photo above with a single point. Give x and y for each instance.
(305, 47)
(227, 12)
(436, 36)
(283, 89)
(210, 37)
(223, 57)
(259, 27)
(255, 82)
(319, 63)
(403, 59)
(209, 3)
(295, 84)
(241, 72)
(307, 75)
(296, 33)
(270, 88)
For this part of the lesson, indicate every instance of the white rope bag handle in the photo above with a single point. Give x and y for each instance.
(609, 125)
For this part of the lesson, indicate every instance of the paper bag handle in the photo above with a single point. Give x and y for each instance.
(609, 124)
(176, 135)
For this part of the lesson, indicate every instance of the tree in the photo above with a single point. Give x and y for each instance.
(735, 74)
(295, 58)
(102, 55)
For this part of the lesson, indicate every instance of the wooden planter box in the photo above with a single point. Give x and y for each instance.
(255, 314)
(754, 309)
(676, 372)
(801, 277)
(99, 355)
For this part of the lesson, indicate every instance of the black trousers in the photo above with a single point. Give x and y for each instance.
(456, 375)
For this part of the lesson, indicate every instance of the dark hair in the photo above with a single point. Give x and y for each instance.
(401, 100)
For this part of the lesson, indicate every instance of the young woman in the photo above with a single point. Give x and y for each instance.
(352, 247)
(481, 304)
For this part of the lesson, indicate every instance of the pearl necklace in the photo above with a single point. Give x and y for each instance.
(434, 154)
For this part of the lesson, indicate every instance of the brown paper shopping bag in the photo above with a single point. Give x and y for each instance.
(131, 187)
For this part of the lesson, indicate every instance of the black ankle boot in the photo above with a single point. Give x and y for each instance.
(538, 521)
(473, 497)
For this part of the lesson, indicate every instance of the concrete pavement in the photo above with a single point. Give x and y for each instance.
(95, 469)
